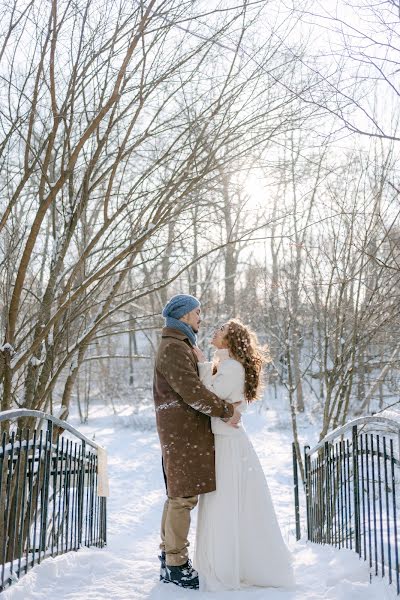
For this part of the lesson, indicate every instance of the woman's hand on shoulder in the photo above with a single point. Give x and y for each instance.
(200, 356)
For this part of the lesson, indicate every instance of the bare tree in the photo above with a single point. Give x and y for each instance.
(103, 150)
(359, 87)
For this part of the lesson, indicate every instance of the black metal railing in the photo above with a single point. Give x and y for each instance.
(352, 494)
(49, 497)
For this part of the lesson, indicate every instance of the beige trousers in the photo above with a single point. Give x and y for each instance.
(175, 524)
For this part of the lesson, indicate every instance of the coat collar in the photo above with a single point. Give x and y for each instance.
(169, 332)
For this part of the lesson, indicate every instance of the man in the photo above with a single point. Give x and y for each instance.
(183, 410)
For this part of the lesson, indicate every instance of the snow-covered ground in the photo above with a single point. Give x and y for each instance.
(128, 568)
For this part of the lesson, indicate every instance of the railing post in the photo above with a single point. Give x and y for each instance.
(327, 517)
(307, 490)
(81, 490)
(356, 493)
(104, 521)
(45, 487)
(296, 492)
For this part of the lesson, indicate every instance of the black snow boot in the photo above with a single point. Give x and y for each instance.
(163, 572)
(184, 576)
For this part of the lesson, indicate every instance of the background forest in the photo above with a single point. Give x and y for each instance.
(243, 152)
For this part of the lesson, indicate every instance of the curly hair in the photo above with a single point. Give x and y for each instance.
(243, 345)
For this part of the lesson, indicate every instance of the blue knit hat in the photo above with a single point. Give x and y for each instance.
(180, 305)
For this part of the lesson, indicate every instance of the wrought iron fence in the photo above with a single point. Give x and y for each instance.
(352, 495)
(49, 497)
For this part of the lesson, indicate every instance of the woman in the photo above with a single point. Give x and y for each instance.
(238, 542)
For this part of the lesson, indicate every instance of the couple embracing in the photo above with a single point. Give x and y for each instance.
(208, 459)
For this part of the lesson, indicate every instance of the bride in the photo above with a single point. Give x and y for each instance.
(238, 540)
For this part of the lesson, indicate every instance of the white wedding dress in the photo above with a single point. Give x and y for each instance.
(238, 540)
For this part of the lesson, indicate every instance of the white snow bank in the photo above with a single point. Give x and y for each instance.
(93, 574)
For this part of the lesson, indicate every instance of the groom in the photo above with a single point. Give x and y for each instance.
(183, 409)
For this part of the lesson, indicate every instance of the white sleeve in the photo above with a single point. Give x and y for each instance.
(205, 373)
(225, 381)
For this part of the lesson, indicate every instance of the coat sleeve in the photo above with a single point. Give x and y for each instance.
(181, 375)
(225, 381)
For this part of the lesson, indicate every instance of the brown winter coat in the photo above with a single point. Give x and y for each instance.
(183, 408)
